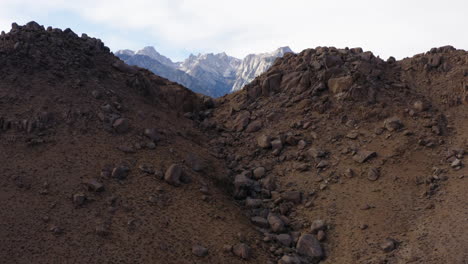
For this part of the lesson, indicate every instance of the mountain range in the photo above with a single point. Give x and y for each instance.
(209, 74)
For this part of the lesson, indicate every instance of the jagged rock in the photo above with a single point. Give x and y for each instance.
(309, 246)
(264, 141)
(121, 125)
(340, 84)
(199, 251)
(364, 155)
(242, 251)
(173, 175)
(393, 124)
(277, 225)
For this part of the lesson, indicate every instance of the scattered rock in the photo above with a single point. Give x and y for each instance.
(146, 168)
(292, 196)
(253, 203)
(456, 163)
(393, 124)
(364, 155)
(373, 174)
(263, 141)
(388, 245)
(420, 106)
(290, 259)
(259, 172)
(152, 134)
(173, 175)
(277, 144)
(79, 199)
(309, 246)
(121, 125)
(242, 251)
(199, 251)
(254, 126)
(317, 225)
(284, 239)
(277, 225)
(260, 222)
(94, 185)
(352, 135)
(120, 172)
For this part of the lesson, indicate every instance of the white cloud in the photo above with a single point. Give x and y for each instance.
(398, 27)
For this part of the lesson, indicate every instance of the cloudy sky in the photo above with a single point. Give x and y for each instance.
(399, 28)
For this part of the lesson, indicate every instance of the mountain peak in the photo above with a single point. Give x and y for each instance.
(151, 52)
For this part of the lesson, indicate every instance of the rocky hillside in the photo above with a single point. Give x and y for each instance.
(99, 164)
(339, 154)
(331, 156)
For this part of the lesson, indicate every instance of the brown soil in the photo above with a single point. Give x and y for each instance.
(71, 112)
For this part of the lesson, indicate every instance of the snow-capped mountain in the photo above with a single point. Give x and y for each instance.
(152, 53)
(254, 65)
(217, 71)
(210, 74)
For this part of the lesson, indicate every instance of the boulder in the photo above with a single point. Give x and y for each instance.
(340, 84)
(308, 246)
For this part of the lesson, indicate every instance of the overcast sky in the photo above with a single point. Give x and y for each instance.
(176, 28)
